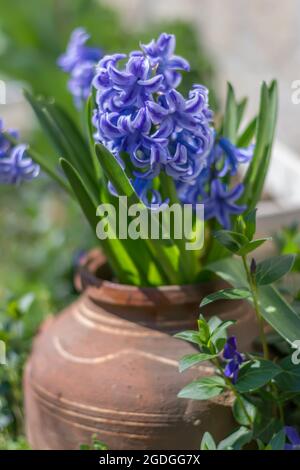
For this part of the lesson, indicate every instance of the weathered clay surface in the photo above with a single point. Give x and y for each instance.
(108, 365)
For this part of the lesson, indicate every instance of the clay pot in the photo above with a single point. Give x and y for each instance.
(108, 365)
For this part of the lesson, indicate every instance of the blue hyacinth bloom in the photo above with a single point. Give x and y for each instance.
(234, 358)
(161, 55)
(80, 61)
(5, 144)
(221, 203)
(140, 113)
(227, 157)
(17, 166)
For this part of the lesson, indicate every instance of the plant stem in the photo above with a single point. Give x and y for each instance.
(234, 391)
(259, 317)
(253, 288)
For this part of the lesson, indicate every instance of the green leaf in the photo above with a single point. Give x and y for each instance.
(255, 374)
(253, 245)
(230, 122)
(226, 294)
(272, 269)
(274, 308)
(191, 360)
(266, 122)
(66, 138)
(289, 379)
(190, 335)
(236, 440)
(239, 413)
(208, 442)
(113, 249)
(278, 441)
(219, 336)
(80, 191)
(233, 241)
(250, 222)
(165, 252)
(246, 137)
(204, 331)
(203, 389)
(241, 106)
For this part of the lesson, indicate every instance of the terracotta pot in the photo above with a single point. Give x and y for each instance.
(108, 365)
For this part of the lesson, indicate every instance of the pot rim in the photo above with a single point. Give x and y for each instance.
(103, 290)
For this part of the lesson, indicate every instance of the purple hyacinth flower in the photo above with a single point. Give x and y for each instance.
(17, 166)
(154, 125)
(80, 82)
(235, 359)
(161, 55)
(220, 204)
(80, 61)
(5, 144)
(77, 51)
(294, 438)
(175, 113)
(230, 156)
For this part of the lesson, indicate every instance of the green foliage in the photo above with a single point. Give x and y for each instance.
(288, 242)
(264, 134)
(264, 389)
(19, 319)
(208, 442)
(272, 269)
(203, 389)
(95, 445)
(255, 374)
(226, 294)
(236, 440)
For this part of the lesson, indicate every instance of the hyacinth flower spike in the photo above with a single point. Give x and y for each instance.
(79, 61)
(15, 164)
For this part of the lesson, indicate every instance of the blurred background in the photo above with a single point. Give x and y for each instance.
(41, 232)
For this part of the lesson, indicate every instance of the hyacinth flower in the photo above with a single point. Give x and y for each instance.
(294, 438)
(15, 164)
(220, 201)
(228, 157)
(161, 55)
(79, 61)
(150, 127)
(144, 121)
(234, 358)
(149, 141)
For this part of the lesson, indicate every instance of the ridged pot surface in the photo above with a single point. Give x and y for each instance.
(108, 365)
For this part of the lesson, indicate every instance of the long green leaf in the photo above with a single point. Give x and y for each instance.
(274, 308)
(66, 138)
(230, 122)
(121, 263)
(247, 135)
(167, 254)
(266, 122)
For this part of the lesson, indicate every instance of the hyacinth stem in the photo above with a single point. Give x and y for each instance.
(189, 262)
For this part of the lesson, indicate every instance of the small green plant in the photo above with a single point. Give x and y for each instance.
(263, 387)
(17, 327)
(95, 444)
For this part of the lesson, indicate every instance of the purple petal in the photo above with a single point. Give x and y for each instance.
(178, 63)
(152, 84)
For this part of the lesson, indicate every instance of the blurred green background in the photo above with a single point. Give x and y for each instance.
(41, 230)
